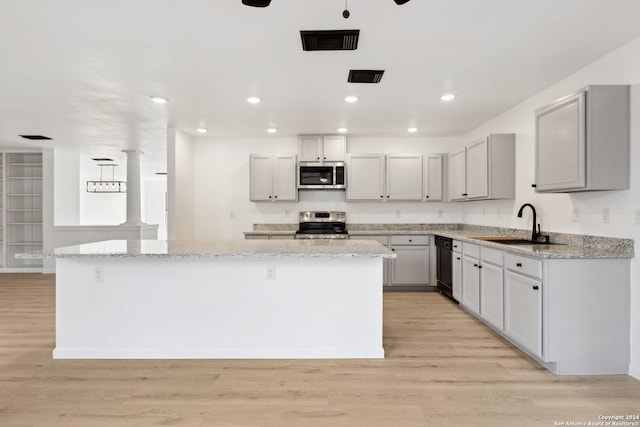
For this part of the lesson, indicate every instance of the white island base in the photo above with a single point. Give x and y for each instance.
(112, 307)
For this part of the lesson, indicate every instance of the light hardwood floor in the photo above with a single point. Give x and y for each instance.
(442, 368)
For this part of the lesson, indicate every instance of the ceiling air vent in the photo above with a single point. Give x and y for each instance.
(35, 137)
(102, 159)
(365, 76)
(330, 40)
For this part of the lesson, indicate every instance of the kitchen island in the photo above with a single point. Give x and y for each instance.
(220, 299)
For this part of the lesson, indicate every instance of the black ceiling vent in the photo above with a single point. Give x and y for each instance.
(35, 137)
(330, 40)
(102, 159)
(365, 76)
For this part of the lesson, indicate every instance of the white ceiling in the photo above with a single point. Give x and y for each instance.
(83, 72)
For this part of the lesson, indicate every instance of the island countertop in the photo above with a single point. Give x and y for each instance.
(224, 249)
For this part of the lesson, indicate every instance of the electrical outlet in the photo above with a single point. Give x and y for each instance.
(98, 274)
(605, 216)
(440, 213)
(397, 214)
(271, 272)
(575, 215)
(232, 214)
(637, 216)
(499, 213)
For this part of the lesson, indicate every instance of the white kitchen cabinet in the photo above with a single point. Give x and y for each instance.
(491, 290)
(392, 177)
(456, 273)
(471, 283)
(458, 175)
(432, 171)
(555, 309)
(582, 141)
(523, 311)
(273, 178)
(487, 170)
(366, 176)
(404, 177)
(321, 148)
(411, 265)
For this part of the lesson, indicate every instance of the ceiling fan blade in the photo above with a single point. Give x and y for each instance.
(401, 1)
(256, 3)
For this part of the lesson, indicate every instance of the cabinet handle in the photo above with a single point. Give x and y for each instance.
(269, 196)
(410, 240)
(275, 197)
(381, 197)
(427, 196)
(535, 287)
(475, 265)
(317, 158)
(455, 246)
(479, 266)
(393, 250)
(387, 197)
(464, 194)
(518, 264)
(534, 185)
(458, 258)
(324, 158)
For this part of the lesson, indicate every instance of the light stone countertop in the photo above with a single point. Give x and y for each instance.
(568, 246)
(225, 249)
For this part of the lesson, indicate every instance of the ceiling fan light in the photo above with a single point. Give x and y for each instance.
(256, 3)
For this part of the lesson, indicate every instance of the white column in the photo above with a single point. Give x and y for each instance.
(134, 212)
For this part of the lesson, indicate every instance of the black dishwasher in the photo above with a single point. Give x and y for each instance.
(443, 267)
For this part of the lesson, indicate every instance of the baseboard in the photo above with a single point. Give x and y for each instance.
(634, 371)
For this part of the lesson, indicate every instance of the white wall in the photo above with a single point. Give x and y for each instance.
(66, 177)
(223, 210)
(555, 210)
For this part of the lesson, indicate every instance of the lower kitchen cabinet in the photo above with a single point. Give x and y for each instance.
(570, 314)
(523, 311)
(456, 273)
(471, 283)
(411, 265)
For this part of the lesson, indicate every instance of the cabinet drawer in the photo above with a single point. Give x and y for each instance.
(381, 239)
(410, 240)
(493, 256)
(471, 250)
(456, 246)
(523, 265)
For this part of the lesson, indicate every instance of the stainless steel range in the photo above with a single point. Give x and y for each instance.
(322, 225)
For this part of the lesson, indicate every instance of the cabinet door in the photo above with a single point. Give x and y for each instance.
(333, 148)
(365, 177)
(458, 175)
(260, 177)
(471, 284)
(523, 311)
(433, 177)
(456, 276)
(411, 265)
(404, 177)
(560, 145)
(284, 178)
(491, 293)
(478, 169)
(310, 148)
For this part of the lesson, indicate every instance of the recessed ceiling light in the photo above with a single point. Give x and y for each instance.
(201, 130)
(342, 130)
(159, 100)
(448, 97)
(253, 100)
(351, 99)
(272, 130)
(412, 130)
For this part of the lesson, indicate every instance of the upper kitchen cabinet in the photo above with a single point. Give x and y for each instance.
(484, 169)
(582, 141)
(273, 178)
(384, 177)
(432, 171)
(321, 148)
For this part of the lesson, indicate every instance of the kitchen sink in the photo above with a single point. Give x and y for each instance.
(512, 240)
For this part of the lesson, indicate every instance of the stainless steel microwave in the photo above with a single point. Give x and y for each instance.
(322, 176)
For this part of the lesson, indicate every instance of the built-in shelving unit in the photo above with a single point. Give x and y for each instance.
(22, 213)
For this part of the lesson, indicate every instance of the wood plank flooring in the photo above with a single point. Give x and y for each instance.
(442, 368)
